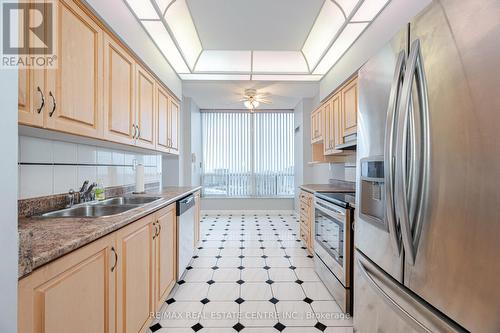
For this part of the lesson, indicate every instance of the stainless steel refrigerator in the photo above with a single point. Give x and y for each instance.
(427, 228)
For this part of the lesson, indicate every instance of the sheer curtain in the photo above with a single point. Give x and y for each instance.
(248, 155)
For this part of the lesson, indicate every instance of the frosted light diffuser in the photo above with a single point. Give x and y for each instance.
(326, 26)
(348, 5)
(279, 62)
(277, 77)
(143, 9)
(160, 36)
(224, 61)
(181, 24)
(369, 9)
(350, 33)
(163, 4)
(215, 77)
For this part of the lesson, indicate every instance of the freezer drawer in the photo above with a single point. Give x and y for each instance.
(381, 304)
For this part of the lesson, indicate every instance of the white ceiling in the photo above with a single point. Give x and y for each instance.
(226, 95)
(254, 24)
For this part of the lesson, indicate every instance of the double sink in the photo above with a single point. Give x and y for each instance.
(108, 207)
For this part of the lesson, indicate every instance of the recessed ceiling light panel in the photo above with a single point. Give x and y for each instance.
(326, 26)
(181, 24)
(160, 36)
(350, 33)
(369, 9)
(292, 62)
(272, 77)
(143, 9)
(224, 61)
(348, 5)
(215, 77)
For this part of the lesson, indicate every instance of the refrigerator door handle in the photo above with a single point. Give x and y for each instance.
(416, 130)
(389, 150)
(403, 301)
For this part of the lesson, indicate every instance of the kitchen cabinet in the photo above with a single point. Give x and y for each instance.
(317, 123)
(98, 88)
(165, 246)
(174, 126)
(75, 85)
(197, 217)
(306, 219)
(74, 293)
(135, 274)
(333, 130)
(350, 107)
(162, 118)
(145, 115)
(119, 93)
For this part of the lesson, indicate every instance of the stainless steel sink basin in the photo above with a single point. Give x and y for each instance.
(128, 201)
(90, 210)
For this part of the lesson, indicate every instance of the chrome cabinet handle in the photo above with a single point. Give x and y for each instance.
(156, 230)
(138, 132)
(43, 100)
(54, 104)
(413, 126)
(116, 258)
(159, 229)
(135, 131)
(389, 150)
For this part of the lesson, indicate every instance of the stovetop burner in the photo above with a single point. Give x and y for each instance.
(343, 199)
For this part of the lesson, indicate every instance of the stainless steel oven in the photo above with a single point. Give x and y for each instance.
(333, 245)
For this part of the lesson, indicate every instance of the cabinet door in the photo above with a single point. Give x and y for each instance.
(165, 254)
(75, 86)
(197, 218)
(350, 108)
(74, 293)
(119, 93)
(338, 131)
(145, 117)
(162, 105)
(327, 128)
(135, 276)
(174, 126)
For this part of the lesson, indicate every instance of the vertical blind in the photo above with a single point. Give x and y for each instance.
(248, 155)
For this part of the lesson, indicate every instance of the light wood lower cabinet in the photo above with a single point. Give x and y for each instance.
(111, 285)
(135, 273)
(165, 254)
(73, 294)
(306, 219)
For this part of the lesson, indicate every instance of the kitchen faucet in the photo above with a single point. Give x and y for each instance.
(85, 194)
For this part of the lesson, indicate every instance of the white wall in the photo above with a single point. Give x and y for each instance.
(119, 18)
(8, 201)
(391, 20)
(49, 167)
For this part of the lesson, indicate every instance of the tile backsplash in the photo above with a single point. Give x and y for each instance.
(48, 167)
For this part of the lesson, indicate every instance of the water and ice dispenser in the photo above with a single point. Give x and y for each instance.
(372, 196)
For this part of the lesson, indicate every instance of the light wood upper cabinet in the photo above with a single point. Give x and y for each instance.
(162, 105)
(174, 120)
(75, 293)
(75, 86)
(145, 116)
(119, 93)
(165, 254)
(135, 276)
(333, 125)
(317, 123)
(350, 107)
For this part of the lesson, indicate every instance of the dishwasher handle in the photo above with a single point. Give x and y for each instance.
(185, 204)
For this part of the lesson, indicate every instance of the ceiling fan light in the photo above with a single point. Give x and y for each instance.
(251, 104)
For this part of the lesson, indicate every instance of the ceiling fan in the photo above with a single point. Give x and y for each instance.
(251, 99)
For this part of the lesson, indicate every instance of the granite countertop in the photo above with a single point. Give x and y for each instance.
(42, 240)
(332, 187)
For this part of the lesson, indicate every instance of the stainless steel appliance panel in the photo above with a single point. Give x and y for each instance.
(382, 304)
(456, 247)
(379, 85)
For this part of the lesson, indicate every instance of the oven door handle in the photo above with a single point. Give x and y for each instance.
(333, 213)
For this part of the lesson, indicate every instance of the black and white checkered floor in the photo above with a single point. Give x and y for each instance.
(251, 274)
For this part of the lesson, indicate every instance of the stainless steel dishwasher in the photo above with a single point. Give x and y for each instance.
(185, 233)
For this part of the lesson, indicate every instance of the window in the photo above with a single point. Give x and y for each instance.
(248, 155)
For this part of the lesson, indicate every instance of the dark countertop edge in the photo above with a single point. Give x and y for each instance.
(48, 257)
(331, 188)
